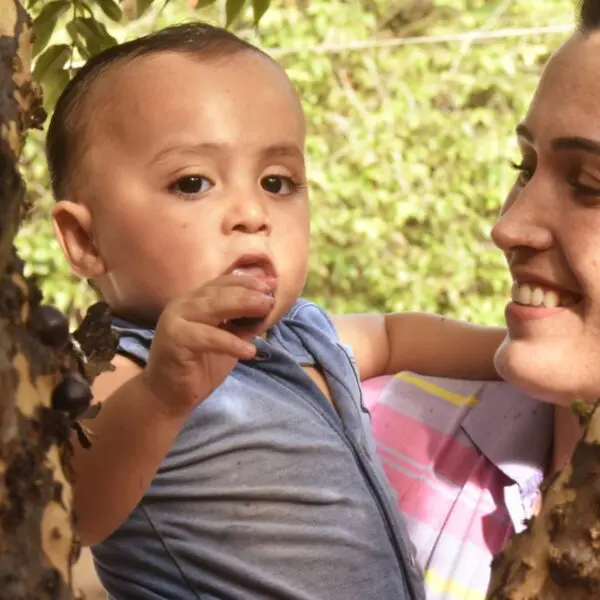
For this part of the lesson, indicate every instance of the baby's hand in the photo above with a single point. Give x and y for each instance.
(197, 342)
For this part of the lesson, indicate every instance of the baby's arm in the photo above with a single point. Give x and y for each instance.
(422, 343)
(131, 435)
(143, 410)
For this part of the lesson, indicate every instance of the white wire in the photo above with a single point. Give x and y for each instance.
(470, 37)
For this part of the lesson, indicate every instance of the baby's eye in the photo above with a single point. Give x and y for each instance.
(279, 184)
(190, 185)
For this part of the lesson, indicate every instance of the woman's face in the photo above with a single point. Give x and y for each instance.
(549, 230)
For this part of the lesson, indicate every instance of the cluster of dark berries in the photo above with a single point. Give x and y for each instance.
(73, 394)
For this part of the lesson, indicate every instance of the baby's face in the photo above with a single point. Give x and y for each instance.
(193, 165)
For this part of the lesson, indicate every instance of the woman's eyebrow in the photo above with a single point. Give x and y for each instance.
(576, 143)
(561, 143)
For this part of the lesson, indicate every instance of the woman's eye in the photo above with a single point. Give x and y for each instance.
(191, 185)
(525, 172)
(584, 181)
(279, 184)
(585, 190)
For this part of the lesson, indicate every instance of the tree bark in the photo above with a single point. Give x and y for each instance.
(41, 391)
(558, 556)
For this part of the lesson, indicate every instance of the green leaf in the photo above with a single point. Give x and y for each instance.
(77, 38)
(103, 38)
(259, 8)
(52, 59)
(111, 9)
(45, 23)
(232, 9)
(53, 84)
(90, 36)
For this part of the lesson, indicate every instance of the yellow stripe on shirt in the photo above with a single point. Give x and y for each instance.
(450, 588)
(438, 391)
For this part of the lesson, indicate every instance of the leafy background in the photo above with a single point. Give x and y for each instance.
(408, 145)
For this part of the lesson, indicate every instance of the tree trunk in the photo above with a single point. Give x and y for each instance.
(41, 390)
(558, 556)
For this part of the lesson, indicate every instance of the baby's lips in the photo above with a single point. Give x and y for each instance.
(269, 281)
(272, 283)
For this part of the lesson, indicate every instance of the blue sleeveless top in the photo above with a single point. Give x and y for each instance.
(268, 493)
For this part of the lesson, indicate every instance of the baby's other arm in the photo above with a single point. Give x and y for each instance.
(423, 343)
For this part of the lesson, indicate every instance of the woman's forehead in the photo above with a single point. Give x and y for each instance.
(567, 100)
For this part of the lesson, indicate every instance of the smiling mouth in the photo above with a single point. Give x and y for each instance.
(528, 294)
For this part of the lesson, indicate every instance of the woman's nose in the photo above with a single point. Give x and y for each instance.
(523, 223)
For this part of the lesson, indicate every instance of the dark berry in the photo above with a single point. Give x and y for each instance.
(72, 395)
(50, 325)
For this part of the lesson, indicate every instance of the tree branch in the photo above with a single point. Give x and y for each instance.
(558, 556)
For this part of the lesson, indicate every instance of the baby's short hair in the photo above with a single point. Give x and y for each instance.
(65, 131)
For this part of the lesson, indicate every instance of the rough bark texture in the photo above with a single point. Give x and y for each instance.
(558, 556)
(37, 357)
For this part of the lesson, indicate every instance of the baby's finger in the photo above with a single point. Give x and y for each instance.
(222, 304)
(200, 339)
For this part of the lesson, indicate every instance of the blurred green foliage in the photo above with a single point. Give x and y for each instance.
(408, 146)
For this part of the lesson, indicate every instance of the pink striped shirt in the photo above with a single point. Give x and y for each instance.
(466, 459)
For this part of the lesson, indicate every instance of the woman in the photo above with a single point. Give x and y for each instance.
(451, 491)
(549, 230)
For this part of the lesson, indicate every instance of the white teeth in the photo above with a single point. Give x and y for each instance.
(536, 296)
(524, 294)
(514, 292)
(551, 299)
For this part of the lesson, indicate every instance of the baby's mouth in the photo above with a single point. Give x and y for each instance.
(528, 294)
(255, 271)
(263, 271)
(258, 266)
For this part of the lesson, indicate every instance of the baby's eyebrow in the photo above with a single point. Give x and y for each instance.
(282, 150)
(275, 151)
(185, 148)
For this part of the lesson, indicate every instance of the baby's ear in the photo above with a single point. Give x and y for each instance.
(73, 228)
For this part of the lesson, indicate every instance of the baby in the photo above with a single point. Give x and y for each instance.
(233, 458)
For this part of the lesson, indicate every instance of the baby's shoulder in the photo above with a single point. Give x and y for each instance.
(310, 313)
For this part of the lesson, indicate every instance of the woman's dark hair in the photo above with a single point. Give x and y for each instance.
(589, 15)
(67, 125)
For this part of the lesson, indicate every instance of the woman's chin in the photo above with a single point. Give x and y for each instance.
(541, 374)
